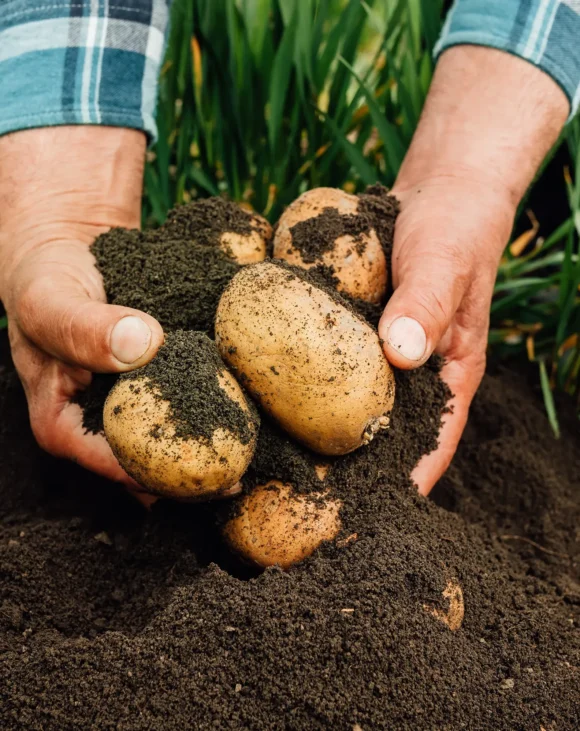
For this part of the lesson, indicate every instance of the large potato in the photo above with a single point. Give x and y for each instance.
(358, 262)
(144, 437)
(314, 365)
(277, 526)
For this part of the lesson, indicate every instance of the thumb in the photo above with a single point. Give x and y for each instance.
(429, 290)
(61, 319)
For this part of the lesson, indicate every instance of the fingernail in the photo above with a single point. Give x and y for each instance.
(130, 339)
(408, 338)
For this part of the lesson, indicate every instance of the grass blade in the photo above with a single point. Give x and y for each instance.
(394, 149)
(549, 399)
(364, 169)
(279, 83)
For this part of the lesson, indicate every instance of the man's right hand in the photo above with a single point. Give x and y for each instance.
(489, 120)
(59, 189)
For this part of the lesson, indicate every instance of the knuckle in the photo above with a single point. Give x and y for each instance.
(84, 333)
(432, 309)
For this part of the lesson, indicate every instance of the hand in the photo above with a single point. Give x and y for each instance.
(489, 120)
(59, 189)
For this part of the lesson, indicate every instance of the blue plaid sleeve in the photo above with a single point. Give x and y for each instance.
(544, 32)
(80, 62)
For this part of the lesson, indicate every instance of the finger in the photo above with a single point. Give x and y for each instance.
(61, 319)
(90, 451)
(431, 284)
(463, 379)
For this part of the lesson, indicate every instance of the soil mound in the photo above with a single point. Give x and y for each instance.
(112, 618)
(456, 612)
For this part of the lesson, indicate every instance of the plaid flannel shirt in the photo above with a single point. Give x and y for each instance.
(544, 32)
(97, 61)
(80, 62)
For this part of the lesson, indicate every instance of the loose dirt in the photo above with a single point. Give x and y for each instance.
(111, 617)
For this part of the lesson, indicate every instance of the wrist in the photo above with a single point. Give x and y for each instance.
(489, 118)
(66, 184)
(83, 175)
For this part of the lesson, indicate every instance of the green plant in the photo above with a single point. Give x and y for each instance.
(536, 308)
(262, 99)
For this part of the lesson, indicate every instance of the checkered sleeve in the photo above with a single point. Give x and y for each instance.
(544, 32)
(80, 62)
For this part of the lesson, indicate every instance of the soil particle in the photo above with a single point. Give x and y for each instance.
(161, 629)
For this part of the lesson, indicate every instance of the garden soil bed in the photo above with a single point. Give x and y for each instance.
(113, 618)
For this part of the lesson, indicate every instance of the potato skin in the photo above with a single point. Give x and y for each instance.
(144, 442)
(277, 526)
(248, 249)
(361, 275)
(455, 612)
(313, 365)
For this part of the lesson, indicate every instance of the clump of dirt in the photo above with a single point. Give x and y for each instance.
(185, 373)
(176, 280)
(205, 221)
(176, 274)
(92, 400)
(382, 208)
(390, 457)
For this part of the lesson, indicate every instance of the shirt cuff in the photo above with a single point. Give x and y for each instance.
(544, 33)
(80, 62)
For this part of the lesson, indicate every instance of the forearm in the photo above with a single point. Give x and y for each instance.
(488, 115)
(546, 34)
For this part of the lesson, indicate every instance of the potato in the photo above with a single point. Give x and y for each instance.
(313, 365)
(249, 248)
(276, 525)
(453, 617)
(359, 263)
(145, 438)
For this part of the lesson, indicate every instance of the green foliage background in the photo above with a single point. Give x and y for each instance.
(262, 99)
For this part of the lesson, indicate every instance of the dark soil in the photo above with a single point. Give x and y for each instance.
(185, 373)
(113, 618)
(204, 221)
(176, 280)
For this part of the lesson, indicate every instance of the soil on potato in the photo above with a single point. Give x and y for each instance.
(114, 618)
(377, 210)
(185, 373)
(205, 221)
